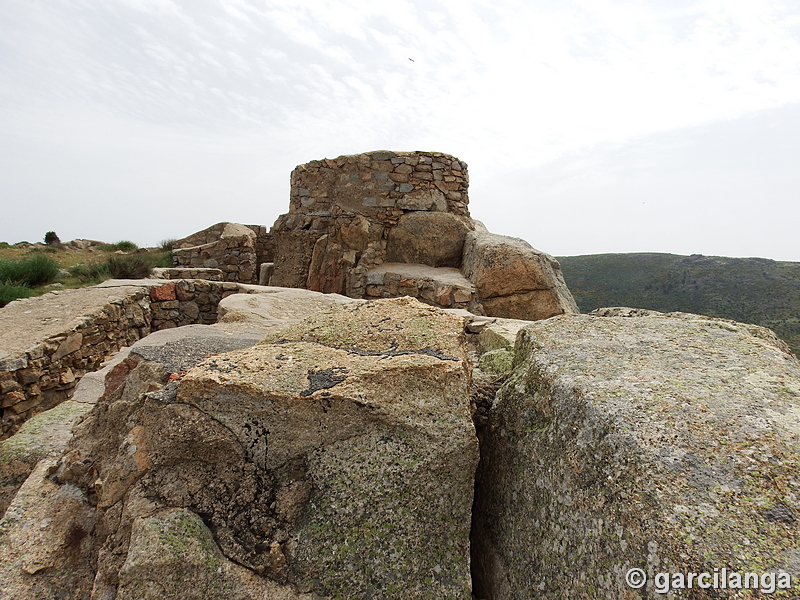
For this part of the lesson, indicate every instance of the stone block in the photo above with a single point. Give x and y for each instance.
(428, 238)
(163, 292)
(71, 344)
(513, 279)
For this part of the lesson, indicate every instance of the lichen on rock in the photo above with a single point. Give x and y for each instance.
(657, 442)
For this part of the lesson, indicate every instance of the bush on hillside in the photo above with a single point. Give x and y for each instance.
(90, 274)
(135, 266)
(10, 292)
(124, 246)
(33, 270)
(51, 239)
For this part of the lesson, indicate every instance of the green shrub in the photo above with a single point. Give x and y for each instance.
(164, 260)
(51, 239)
(166, 245)
(9, 292)
(124, 246)
(36, 269)
(94, 273)
(5, 245)
(135, 266)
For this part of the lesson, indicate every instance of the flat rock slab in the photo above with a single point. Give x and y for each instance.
(443, 275)
(27, 322)
(181, 348)
(276, 307)
(666, 443)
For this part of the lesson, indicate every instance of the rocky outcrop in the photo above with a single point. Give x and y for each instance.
(513, 279)
(668, 443)
(334, 459)
(351, 216)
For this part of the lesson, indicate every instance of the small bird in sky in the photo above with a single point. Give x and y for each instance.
(411, 59)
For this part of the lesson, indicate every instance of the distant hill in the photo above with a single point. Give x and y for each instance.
(751, 290)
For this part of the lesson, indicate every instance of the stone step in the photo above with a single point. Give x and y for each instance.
(440, 286)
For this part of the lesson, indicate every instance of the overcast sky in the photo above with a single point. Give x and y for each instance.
(589, 126)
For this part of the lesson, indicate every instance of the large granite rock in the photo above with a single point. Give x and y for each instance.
(515, 280)
(360, 418)
(335, 459)
(276, 307)
(428, 238)
(669, 443)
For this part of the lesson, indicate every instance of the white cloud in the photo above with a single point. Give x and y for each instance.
(504, 84)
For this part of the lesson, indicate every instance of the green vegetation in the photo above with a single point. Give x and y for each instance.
(35, 269)
(750, 290)
(51, 239)
(90, 274)
(29, 272)
(123, 245)
(135, 266)
(10, 292)
(18, 276)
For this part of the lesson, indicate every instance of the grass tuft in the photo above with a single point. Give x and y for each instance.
(10, 292)
(33, 270)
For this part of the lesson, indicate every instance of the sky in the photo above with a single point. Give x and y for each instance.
(589, 126)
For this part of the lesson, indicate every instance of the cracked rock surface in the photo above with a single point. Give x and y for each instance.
(669, 443)
(308, 466)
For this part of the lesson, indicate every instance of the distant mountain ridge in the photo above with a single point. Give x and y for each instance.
(751, 290)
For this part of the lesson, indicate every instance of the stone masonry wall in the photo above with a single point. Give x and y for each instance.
(343, 211)
(229, 247)
(47, 373)
(381, 184)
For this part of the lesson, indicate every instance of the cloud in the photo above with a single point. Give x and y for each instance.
(505, 85)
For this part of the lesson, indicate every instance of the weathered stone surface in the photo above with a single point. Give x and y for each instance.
(293, 257)
(45, 541)
(349, 398)
(265, 271)
(278, 308)
(108, 454)
(515, 280)
(335, 459)
(499, 334)
(172, 554)
(44, 435)
(665, 443)
(164, 292)
(428, 238)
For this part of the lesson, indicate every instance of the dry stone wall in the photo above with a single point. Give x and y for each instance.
(46, 373)
(347, 215)
(229, 247)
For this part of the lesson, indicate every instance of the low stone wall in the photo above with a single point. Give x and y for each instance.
(229, 247)
(441, 286)
(47, 373)
(187, 273)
